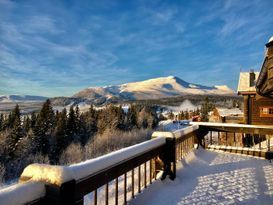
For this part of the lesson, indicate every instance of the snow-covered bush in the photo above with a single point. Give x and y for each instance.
(72, 154)
(101, 144)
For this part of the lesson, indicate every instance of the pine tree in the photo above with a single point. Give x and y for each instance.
(91, 120)
(1, 122)
(171, 115)
(60, 136)
(33, 119)
(131, 117)
(44, 127)
(16, 130)
(27, 124)
(71, 123)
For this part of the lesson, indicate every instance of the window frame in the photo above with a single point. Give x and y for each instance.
(270, 111)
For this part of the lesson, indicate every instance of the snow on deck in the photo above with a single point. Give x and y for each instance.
(207, 177)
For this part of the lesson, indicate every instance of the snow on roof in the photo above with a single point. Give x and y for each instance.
(244, 82)
(22, 193)
(229, 112)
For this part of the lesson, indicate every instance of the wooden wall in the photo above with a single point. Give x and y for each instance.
(256, 103)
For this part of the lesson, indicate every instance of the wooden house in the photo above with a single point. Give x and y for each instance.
(257, 90)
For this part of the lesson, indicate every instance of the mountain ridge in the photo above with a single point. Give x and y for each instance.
(154, 88)
(21, 98)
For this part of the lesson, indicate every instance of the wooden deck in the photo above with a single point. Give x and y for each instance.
(208, 177)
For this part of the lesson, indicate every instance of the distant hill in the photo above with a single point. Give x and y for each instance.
(156, 88)
(21, 98)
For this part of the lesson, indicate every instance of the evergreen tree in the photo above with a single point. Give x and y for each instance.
(33, 119)
(206, 107)
(60, 137)
(131, 117)
(90, 118)
(1, 122)
(44, 127)
(16, 130)
(187, 116)
(27, 124)
(171, 115)
(71, 124)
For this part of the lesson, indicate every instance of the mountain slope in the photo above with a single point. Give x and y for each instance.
(151, 89)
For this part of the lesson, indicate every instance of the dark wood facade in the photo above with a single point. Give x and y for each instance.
(258, 92)
(264, 83)
(253, 110)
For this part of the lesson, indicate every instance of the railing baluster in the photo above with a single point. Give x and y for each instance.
(260, 145)
(211, 137)
(133, 183)
(106, 193)
(154, 168)
(218, 138)
(95, 197)
(145, 175)
(116, 192)
(234, 138)
(139, 179)
(226, 138)
(268, 143)
(151, 171)
(125, 188)
(181, 150)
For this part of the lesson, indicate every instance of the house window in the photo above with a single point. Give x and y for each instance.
(266, 111)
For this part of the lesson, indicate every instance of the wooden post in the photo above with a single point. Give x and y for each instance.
(62, 195)
(168, 158)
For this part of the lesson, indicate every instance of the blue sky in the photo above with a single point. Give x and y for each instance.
(56, 48)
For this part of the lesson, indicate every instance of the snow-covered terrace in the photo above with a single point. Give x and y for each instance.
(202, 176)
(206, 177)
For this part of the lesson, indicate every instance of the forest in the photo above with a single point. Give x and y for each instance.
(69, 136)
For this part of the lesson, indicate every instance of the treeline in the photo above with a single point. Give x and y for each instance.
(202, 112)
(44, 136)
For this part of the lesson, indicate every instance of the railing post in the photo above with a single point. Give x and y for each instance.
(61, 195)
(168, 158)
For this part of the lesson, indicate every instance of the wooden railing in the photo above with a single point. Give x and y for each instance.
(238, 138)
(115, 178)
(119, 176)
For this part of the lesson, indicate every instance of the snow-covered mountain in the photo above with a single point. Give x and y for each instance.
(20, 98)
(151, 89)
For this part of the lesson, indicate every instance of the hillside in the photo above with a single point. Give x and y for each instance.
(156, 88)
